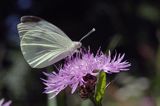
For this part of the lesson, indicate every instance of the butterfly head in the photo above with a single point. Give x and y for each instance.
(77, 45)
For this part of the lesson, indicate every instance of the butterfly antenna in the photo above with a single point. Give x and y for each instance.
(87, 34)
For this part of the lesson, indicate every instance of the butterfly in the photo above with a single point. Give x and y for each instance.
(42, 43)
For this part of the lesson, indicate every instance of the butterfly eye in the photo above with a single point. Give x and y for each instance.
(79, 44)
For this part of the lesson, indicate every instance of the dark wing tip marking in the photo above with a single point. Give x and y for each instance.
(30, 19)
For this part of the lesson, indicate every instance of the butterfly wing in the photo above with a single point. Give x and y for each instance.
(42, 43)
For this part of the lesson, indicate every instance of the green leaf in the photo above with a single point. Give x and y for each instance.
(100, 87)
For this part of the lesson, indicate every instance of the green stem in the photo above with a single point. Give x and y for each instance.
(95, 102)
(52, 102)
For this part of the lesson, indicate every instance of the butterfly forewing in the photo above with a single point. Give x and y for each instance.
(29, 22)
(42, 43)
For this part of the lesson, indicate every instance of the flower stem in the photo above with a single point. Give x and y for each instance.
(95, 102)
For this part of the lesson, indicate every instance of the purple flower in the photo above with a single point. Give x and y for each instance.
(5, 104)
(82, 64)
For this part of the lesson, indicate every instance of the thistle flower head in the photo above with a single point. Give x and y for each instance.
(2, 103)
(84, 63)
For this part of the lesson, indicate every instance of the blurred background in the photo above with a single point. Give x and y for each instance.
(123, 26)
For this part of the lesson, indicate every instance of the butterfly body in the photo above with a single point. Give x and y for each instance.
(42, 43)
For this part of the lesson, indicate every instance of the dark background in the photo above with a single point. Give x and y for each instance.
(124, 26)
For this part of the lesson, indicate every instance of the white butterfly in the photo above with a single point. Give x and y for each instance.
(42, 43)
